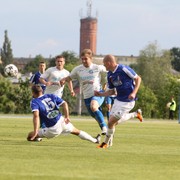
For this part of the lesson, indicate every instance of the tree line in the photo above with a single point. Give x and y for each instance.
(159, 69)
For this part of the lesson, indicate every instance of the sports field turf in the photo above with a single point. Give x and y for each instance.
(141, 151)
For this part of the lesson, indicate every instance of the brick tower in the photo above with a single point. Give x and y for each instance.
(88, 31)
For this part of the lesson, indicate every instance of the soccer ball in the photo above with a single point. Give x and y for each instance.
(11, 70)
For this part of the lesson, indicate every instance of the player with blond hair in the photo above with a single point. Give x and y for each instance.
(89, 76)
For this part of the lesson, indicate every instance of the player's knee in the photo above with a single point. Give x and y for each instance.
(75, 131)
(94, 108)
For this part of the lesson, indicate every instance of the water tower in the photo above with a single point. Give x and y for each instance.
(88, 30)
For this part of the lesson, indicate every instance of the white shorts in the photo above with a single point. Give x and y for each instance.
(59, 128)
(119, 108)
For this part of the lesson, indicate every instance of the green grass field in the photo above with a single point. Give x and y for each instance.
(141, 151)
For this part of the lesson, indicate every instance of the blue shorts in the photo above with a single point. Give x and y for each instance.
(100, 100)
(87, 101)
(109, 100)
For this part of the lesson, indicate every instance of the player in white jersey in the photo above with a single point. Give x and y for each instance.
(53, 75)
(45, 108)
(89, 76)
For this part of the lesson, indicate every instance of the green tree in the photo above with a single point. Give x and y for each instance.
(171, 88)
(6, 50)
(7, 105)
(147, 101)
(6, 53)
(33, 65)
(153, 66)
(71, 60)
(23, 97)
(175, 53)
(14, 98)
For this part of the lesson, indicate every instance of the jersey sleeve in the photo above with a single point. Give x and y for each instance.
(130, 72)
(73, 74)
(45, 75)
(34, 106)
(58, 100)
(31, 80)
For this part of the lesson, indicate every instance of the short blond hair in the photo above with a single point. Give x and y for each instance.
(87, 52)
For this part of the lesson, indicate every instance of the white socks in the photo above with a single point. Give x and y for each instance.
(109, 135)
(85, 136)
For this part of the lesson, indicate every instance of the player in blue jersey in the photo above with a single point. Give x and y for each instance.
(35, 77)
(90, 76)
(45, 108)
(127, 83)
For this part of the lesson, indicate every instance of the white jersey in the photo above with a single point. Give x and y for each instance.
(89, 78)
(53, 74)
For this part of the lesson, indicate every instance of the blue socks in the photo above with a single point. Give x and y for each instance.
(100, 118)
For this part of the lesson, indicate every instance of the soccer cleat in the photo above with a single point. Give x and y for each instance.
(98, 137)
(102, 145)
(104, 130)
(139, 115)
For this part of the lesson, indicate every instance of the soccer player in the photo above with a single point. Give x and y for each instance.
(126, 82)
(45, 107)
(109, 101)
(89, 76)
(35, 77)
(172, 108)
(53, 75)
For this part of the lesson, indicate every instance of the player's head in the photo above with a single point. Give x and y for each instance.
(86, 57)
(42, 66)
(109, 62)
(36, 90)
(60, 61)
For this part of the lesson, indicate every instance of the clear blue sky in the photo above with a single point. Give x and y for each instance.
(125, 27)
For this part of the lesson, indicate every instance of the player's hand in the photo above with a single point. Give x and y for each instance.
(132, 96)
(66, 120)
(48, 83)
(32, 136)
(73, 93)
(56, 83)
(62, 81)
(97, 93)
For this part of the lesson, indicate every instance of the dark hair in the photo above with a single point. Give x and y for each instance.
(59, 56)
(36, 88)
(42, 62)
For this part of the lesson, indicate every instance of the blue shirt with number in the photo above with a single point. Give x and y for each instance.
(48, 107)
(123, 80)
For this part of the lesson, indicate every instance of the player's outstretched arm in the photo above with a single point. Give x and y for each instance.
(105, 93)
(32, 135)
(66, 111)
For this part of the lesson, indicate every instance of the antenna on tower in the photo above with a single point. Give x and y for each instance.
(89, 6)
(81, 13)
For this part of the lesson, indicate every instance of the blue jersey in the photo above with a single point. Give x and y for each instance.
(48, 107)
(123, 80)
(35, 80)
